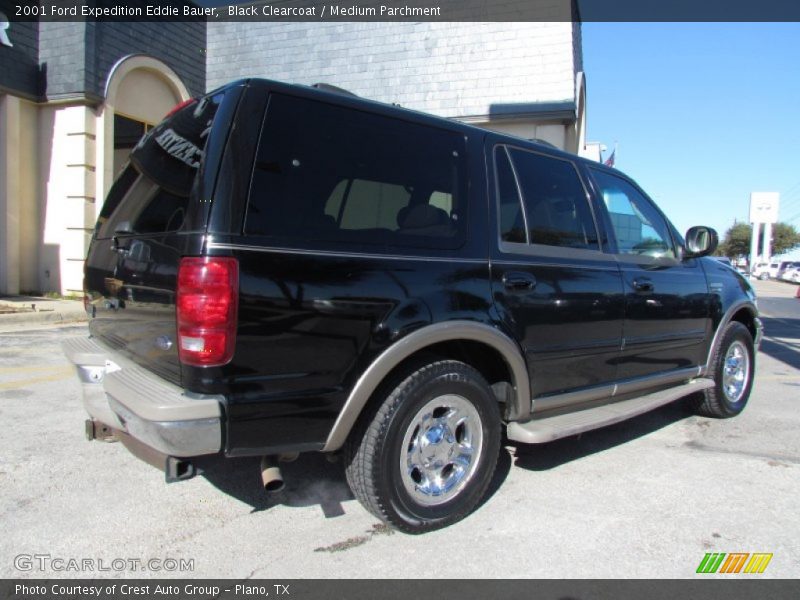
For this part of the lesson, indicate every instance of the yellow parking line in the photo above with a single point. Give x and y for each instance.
(57, 375)
(29, 369)
(19, 351)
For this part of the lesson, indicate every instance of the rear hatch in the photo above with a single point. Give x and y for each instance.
(153, 216)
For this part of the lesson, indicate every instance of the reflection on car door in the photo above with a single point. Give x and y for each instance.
(667, 314)
(552, 286)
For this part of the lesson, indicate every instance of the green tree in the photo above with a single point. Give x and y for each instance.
(736, 242)
(784, 238)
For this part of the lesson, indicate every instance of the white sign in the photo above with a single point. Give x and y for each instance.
(4, 25)
(764, 207)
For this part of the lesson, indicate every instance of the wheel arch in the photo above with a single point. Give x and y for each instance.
(743, 312)
(452, 339)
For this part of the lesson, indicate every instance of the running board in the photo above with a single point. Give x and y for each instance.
(539, 431)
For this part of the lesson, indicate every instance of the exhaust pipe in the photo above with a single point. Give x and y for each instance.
(177, 469)
(271, 476)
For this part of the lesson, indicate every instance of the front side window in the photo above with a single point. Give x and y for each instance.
(638, 226)
(553, 211)
(337, 174)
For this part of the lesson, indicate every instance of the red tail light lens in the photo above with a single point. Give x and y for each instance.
(178, 107)
(207, 300)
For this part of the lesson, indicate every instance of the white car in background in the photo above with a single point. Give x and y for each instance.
(792, 274)
(761, 270)
(773, 270)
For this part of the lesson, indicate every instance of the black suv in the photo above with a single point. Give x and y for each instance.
(283, 269)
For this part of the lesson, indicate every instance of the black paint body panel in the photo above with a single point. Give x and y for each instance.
(313, 316)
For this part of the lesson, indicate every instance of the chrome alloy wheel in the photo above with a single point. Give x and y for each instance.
(441, 449)
(735, 371)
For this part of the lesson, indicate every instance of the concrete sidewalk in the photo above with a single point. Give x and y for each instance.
(17, 312)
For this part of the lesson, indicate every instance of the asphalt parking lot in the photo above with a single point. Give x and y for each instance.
(642, 499)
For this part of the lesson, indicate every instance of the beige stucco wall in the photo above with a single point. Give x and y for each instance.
(46, 214)
(56, 166)
(143, 96)
(29, 212)
(9, 195)
(69, 184)
(567, 134)
(19, 189)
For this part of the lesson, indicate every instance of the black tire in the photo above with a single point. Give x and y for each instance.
(418, 423)
(718, 401)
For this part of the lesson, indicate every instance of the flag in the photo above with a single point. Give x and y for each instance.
(609, 162)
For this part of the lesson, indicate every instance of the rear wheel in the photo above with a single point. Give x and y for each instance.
(732, 368)
(425, 457)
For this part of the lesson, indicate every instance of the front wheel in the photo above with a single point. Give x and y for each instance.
(732, 368)
(427, 455)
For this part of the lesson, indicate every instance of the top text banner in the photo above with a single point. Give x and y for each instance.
(403, 10)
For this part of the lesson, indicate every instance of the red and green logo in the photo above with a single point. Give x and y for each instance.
(734, 562)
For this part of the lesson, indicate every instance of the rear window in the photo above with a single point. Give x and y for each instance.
(151, 195)
(337, 174)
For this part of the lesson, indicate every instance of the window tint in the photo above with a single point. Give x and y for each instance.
(331, 173)
(147, 208)
(512, 219)
(638, 226)
(557, 212)
(151, 195)
(372, 204)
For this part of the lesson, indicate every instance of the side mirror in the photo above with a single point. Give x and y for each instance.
(700, 241)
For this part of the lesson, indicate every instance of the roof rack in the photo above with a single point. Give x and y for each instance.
(544, 143)
(327, 87)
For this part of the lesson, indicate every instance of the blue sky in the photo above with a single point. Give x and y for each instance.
(704, 113)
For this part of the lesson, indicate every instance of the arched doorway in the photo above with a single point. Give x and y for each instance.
(140, 90)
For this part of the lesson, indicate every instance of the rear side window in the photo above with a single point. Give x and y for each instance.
(554, 210)
(332, 173)
(151, 195)
(512, 217)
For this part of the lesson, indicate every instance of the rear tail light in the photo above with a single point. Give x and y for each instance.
(179, 106)
(207, 299)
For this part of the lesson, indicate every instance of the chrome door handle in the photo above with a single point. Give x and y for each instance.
(517, 281)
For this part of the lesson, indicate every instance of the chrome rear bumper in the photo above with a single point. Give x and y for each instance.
(129, 398)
